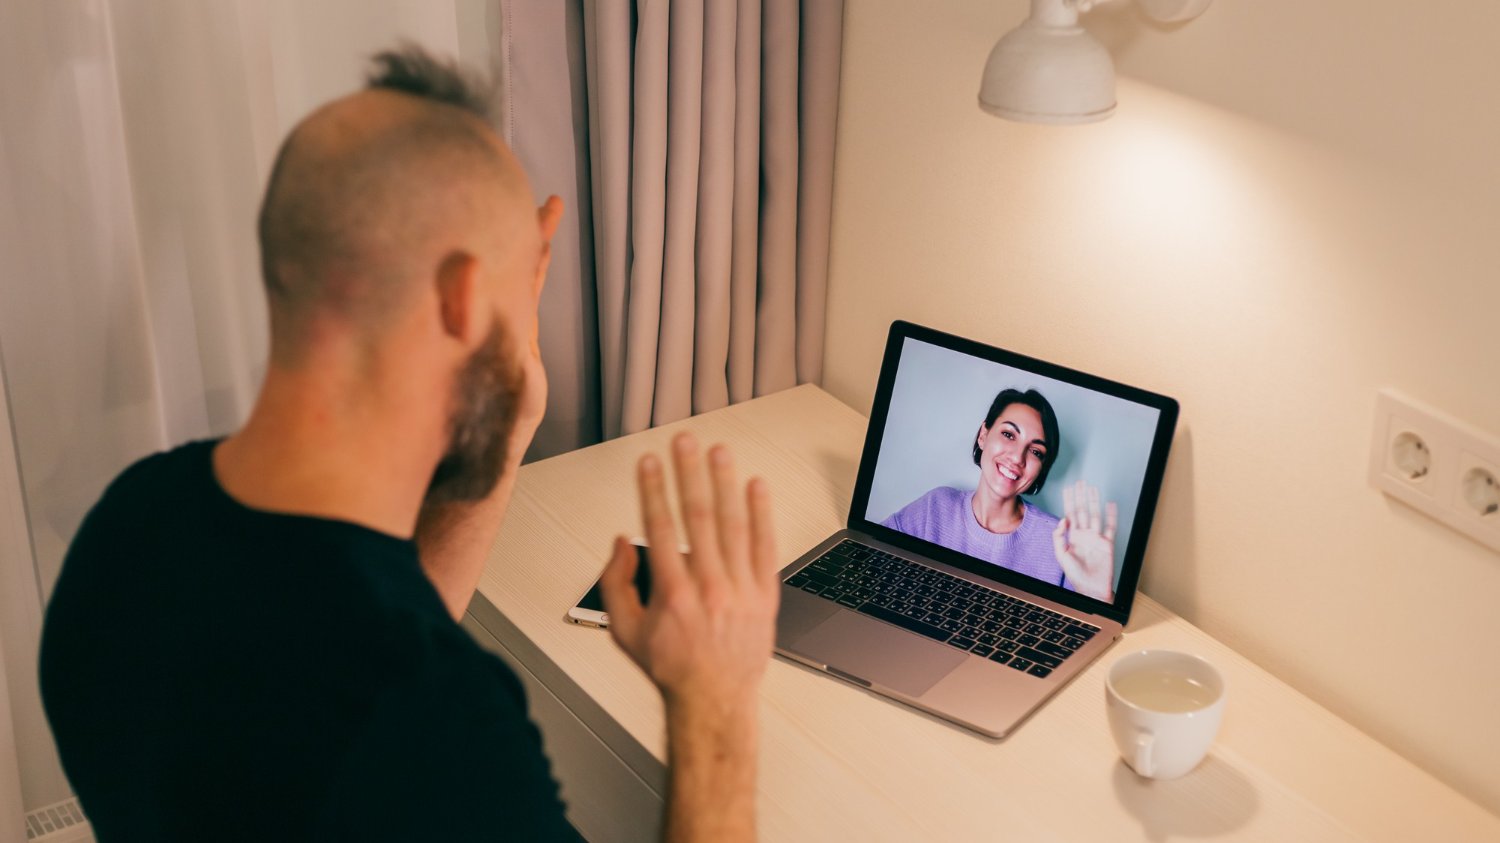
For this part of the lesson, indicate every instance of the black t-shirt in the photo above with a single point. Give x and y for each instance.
(213, 672)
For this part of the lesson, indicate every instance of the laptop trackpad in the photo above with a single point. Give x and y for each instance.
(880, 653)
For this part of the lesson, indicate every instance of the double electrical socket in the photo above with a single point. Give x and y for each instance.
(1445, 468)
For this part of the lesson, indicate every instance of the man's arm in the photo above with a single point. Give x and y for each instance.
(707, 635)
(712, 758)
(454, 539)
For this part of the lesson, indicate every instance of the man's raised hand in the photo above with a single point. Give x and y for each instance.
(708, 631)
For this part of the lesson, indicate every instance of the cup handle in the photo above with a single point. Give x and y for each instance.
(1143, 742)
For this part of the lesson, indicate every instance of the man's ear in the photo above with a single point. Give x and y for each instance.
(984, 433)
(458, 295)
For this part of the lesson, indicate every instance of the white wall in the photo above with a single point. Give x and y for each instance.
(1298, 207)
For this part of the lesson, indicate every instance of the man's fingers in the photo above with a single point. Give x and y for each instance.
(1111, 520)
(1094, 521)
(549, 216)
(734, 531)
(1068, 513)
(697, 507)
(621, 600)
(765, 561)
(667, 568)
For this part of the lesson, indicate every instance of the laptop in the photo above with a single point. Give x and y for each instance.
(995, 537)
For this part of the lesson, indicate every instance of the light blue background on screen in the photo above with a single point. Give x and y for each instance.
(938, 403)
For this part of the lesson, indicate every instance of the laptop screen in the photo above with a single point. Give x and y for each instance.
(1033, 474)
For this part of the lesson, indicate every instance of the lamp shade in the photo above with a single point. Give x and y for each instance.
(1043, 73)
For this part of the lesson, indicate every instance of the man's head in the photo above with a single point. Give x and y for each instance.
(398, 231)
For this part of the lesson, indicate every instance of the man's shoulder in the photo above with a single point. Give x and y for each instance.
(131, 517)
(150, 488)
(169, 469)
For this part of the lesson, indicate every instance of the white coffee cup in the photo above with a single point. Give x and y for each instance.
(1164, 710)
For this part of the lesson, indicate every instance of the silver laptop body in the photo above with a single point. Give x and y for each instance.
(837, 618)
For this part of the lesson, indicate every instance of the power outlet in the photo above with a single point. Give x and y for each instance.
(1443, 467)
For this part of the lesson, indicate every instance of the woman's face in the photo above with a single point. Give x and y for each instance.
(1012, 451)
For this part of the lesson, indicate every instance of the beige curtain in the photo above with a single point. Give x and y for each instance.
(692, 143)
(537, 47)
(711, 147)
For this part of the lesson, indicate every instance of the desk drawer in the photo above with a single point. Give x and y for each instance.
(606, 800)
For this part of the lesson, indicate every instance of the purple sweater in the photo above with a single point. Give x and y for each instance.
(945, 516)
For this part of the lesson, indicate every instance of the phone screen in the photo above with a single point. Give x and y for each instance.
(594, 600)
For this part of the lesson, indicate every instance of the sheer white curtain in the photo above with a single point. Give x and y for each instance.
(135, 143)
(83, 391)
(19, 612)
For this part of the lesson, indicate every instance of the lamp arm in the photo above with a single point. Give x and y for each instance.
(1067, 12)
(1084, 6)
(1173, 11)
(1059, 14)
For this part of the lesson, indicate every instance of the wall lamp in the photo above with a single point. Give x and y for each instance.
(1050, 70)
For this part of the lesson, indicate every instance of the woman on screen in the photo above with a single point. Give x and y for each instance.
(1015, 448)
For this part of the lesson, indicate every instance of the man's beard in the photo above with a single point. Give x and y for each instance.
(480, 424)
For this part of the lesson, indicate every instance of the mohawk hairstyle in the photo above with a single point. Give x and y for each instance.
(339, 208)
(410, 69)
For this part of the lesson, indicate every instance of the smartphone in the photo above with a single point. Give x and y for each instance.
(590, 608)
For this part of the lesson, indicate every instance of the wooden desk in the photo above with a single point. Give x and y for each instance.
(839, 763)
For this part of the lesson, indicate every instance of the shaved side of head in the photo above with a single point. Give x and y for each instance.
(370, 193)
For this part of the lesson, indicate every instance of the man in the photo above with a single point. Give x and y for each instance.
(256, 638)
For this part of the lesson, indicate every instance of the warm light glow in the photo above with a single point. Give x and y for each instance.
(1173, 180)
(1172, 187)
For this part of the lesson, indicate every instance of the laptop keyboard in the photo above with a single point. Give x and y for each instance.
(945, 608)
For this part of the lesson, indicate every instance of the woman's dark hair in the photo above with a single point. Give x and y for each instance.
(1035, 401)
